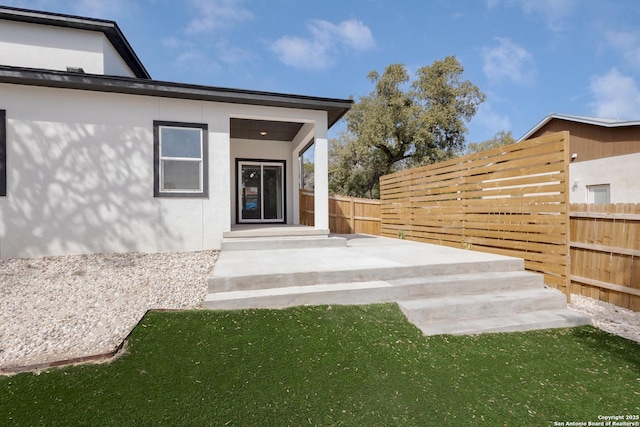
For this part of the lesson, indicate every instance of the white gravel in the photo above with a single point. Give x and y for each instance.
(61, 308)
(609, 317)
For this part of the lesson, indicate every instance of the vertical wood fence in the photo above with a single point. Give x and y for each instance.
(347, 215)
(605, 253)
(511, 200)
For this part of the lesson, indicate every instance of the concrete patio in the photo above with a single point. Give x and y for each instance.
(440, 289)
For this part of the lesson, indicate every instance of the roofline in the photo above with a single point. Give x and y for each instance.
(335, 108)
(109, 28)
(579, 119)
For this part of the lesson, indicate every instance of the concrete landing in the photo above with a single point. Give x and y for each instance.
(363, 258)
(440, 289)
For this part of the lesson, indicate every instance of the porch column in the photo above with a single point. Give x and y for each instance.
(321, 177)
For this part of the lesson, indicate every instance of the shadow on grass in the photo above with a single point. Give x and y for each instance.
(600, 342)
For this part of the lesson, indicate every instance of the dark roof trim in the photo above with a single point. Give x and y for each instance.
(109, 28)
(595, 121)
(335, 108)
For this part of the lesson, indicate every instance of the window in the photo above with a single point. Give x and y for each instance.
(3, 153)
(598, 193)
(180, 159)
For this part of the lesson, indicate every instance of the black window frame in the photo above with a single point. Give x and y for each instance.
(3, 153)
(157, 192)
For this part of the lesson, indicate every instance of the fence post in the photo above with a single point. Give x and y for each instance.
(352, 216)
(567, 217)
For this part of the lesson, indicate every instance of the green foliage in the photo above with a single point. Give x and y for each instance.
(498, 140)
(354, 168)
(403, 123)
(308, 174)
(340, 365)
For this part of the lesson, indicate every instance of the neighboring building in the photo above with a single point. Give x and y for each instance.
(605, 157)
(95, 156)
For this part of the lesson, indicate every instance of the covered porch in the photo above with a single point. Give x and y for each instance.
(266, 168)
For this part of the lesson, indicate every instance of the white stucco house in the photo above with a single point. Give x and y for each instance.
(605, 154)
(95, 156)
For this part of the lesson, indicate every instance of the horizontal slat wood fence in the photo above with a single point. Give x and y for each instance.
(511, 200)
(347, 215)
(605, 253)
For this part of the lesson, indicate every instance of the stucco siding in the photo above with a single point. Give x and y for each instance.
(81, 172)
(80, 178)
(51, 48)
(113, 64)
(620, 172)
(56, 48)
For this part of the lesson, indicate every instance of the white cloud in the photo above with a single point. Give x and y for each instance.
(195, 60)
(508, 61)
(490, 120)
(302, 53)
(214, 14)
(318, 51)
(232, 55)
(555, 13)
(627, 44)
(352, 33)
(616, 96)
(100, 8)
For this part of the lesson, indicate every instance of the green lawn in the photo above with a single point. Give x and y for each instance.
(357, 366)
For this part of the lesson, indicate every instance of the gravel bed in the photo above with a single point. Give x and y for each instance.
(608, 317)
(61, 308)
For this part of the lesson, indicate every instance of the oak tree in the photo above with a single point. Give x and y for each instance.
(403, 123)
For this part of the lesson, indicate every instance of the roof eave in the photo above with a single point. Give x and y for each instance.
(576, 119)
(335, 108)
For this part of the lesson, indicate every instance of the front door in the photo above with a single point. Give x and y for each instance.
(261, 191)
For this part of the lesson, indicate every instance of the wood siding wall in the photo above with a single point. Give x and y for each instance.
(605, 253)
(511, 200)
(592, 142)
(347, 215)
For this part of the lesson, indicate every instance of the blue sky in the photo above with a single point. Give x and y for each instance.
(530, 57)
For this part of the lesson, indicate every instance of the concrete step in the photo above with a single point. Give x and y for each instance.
(545, 319)
(491, 304)
(282, 242)
(266, 230)
(374, 291)
(315, 270)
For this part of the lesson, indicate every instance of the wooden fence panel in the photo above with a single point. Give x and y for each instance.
(510, 200)
(347, 215)
(306, 208)
(605, 253)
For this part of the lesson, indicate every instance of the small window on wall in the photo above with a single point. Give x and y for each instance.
(598, 194)
(3, 153)
(180, 159)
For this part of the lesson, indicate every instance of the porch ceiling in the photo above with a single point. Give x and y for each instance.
(274, 131)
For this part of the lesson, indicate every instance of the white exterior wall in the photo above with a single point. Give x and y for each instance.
(620, 172)
(80, 178)
(321, 178)
(56, 48)
(112, 62)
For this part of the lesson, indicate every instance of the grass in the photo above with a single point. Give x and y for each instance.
(357, 366)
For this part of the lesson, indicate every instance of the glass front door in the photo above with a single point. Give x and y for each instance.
(261, 191)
